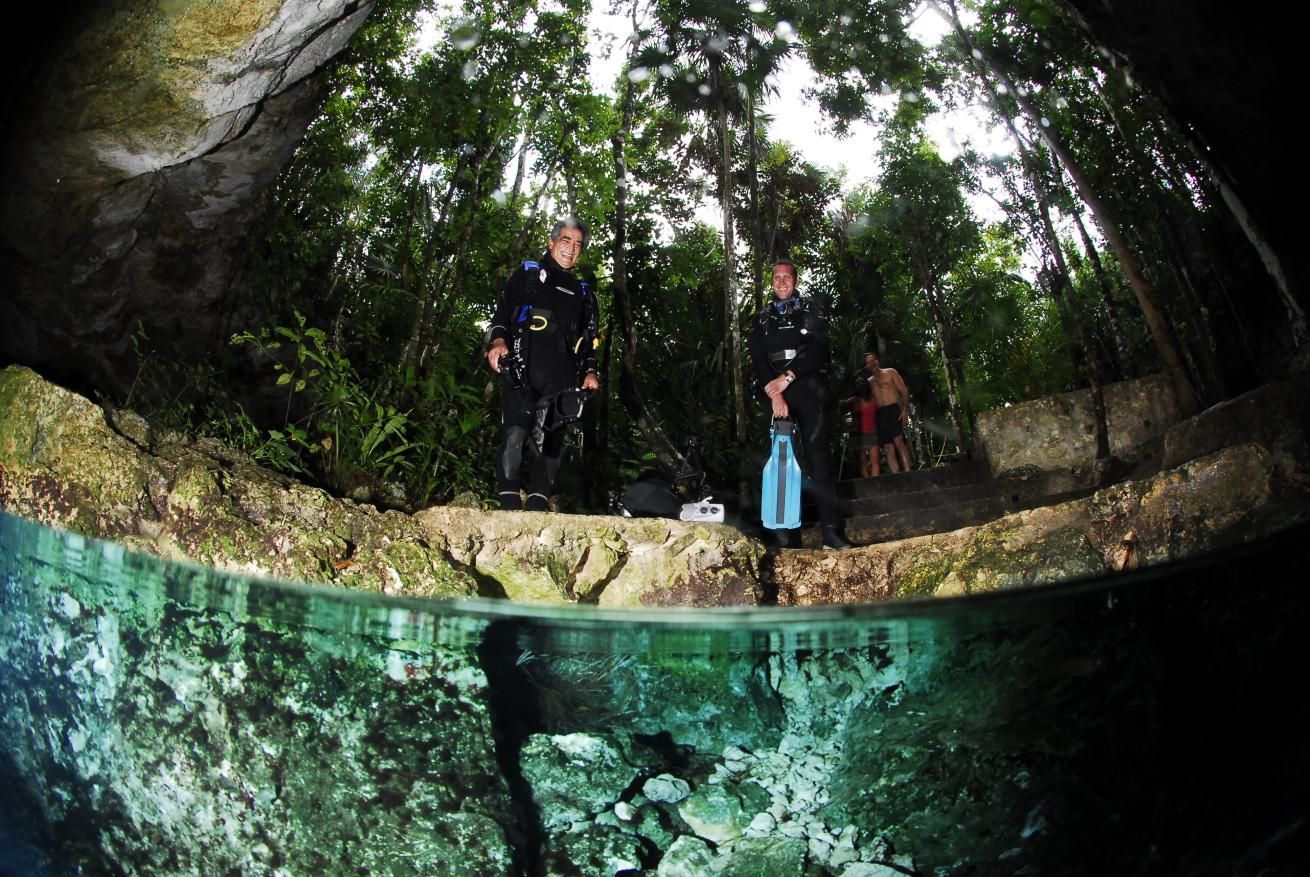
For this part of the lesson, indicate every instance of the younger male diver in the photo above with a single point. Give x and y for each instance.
(789, 354)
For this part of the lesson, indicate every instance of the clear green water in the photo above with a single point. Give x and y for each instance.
(160, 718)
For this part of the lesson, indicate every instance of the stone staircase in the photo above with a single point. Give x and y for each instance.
(937, 500)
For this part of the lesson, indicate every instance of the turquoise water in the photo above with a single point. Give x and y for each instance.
(160, 718)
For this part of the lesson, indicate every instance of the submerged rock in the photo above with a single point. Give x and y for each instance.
(142, 732)
(551, 763)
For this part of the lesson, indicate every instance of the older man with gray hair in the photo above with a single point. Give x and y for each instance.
(542, 343)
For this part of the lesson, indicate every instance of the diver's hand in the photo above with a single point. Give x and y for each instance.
(780, 408)
(498, 349)
(591, 383)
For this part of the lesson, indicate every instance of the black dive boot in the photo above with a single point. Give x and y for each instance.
(784, 538)
(833, 539)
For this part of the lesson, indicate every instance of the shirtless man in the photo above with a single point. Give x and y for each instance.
(893, 399)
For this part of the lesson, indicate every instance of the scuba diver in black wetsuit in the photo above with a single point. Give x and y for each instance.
(789, 355)
(543, 338)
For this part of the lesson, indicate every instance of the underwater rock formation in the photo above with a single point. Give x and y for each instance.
(170, 720)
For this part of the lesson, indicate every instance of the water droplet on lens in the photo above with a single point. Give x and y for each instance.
(977, 55)
(703, 89)
(1001, 89)
(465, 34)
(1046, 123)
(784, 31)
(666, 70)
(638, 74)
(757, 6)
(468, 71)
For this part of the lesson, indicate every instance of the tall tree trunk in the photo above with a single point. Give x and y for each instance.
(1095, 370)
(950, 362)
(1250, 226)
(597, 461)
(629, 393)
(732, 324)
(1122, 355)
(759, 295)
(1170, 354)
(1046, 280)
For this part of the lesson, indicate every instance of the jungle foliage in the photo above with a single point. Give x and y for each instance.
(438, 164)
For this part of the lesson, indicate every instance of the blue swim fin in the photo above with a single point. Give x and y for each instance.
(780, 492)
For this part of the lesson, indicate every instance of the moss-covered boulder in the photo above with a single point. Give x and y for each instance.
(62, 464)
(608, 561)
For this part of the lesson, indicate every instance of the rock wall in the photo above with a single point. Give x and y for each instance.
(133, 163)
(1059, 432)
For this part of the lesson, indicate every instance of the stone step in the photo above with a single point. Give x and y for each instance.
(888, 526)
(950, 475)
(1016, 488)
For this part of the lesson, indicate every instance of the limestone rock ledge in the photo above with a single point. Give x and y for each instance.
(63, 464)
(611, 561)
(1234, 495)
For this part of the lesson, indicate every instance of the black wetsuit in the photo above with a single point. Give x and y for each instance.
(795, 336)
(548, 318)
